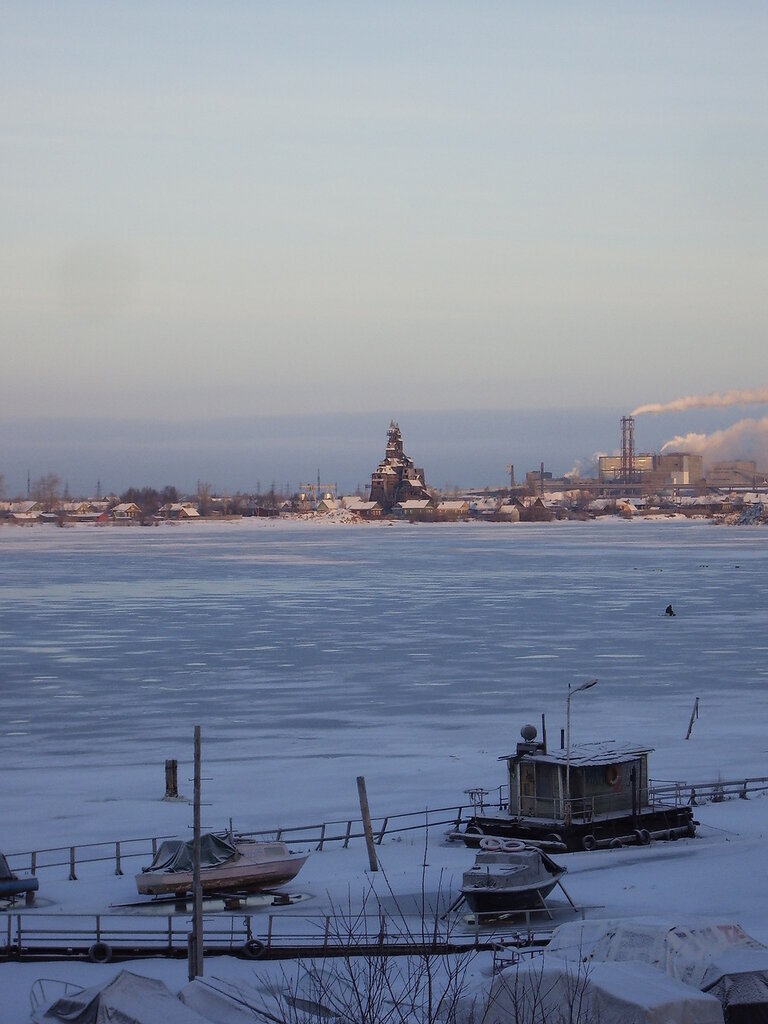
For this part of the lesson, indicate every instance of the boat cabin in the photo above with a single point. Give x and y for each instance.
(584, 797)
(594, 781)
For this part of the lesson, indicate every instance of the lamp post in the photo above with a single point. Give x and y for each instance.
(571, 691)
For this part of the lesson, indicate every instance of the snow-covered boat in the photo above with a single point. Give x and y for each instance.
(585, 796)
(225, 865)
(509, 876)
(12, 886)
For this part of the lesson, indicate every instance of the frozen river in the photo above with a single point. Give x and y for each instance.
(310, 654)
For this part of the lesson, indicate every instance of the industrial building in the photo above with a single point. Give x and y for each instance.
(633, 474)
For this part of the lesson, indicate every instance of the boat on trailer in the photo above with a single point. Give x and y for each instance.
(226, 865)
(586, 797)
(509, 877)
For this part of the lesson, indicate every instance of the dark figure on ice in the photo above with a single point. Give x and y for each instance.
(669, 610)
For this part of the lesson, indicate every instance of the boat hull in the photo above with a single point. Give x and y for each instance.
(240, 876)
(508, 901)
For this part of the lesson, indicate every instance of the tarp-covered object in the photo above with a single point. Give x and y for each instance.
(127, 999)
(178, 855)
(716, 957)
(5, 872)
(548, 990)
(233, 1002)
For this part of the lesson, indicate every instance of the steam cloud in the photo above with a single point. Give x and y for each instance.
(745, 439)
(743, 396)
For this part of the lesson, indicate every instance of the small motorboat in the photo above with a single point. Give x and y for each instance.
(508, 877)
(226, 865)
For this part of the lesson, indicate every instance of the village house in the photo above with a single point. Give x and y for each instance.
(177, 511)
(448, 511)
(126, 513)
(420, 510)
(364, 509)
(21, 513)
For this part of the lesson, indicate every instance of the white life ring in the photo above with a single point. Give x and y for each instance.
(612, 774)
(512, 845)
(491, 843)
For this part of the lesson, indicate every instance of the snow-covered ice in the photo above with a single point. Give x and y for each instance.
(411, 655)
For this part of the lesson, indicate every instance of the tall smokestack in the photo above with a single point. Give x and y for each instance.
(627, 449)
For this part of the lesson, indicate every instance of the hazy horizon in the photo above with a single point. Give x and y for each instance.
(466, 448)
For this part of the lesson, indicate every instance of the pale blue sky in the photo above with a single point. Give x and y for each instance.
(236, 208)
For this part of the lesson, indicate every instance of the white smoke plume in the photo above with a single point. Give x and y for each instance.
(742, 396)
(747, 439)
(586, 467)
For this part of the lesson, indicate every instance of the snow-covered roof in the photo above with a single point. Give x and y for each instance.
(585, 754)
(414, 503)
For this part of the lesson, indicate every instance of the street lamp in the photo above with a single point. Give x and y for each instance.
(571, 691)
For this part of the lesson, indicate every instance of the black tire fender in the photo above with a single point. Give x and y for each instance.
(100, 953)
(589, 843)
(253, 949)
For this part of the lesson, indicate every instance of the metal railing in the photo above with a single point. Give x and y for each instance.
(315, 836)
(343, 831)
(104, 937)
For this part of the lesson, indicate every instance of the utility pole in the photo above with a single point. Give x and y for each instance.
(196, 951)
(584, 686)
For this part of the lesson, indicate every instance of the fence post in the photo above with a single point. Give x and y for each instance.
(692, 801)
(118, 866)
(98, 927)
(383, 830)
(349, 833)
(154, 848)
(33, 863)
(743, 793)
(278, 834)
(170, 934)
(322, 837)
(72, 875)
(269, 931)
(327, 933)
(457, 824)
(18, 933)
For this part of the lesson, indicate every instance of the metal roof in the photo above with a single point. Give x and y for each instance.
(586, 754)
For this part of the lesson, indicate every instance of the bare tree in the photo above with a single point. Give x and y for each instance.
(204, 490)
(47, 491)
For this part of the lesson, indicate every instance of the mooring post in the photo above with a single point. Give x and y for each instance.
(367, 827)
(171, 779)
(118, 866)
(72, 875)
(694, 716)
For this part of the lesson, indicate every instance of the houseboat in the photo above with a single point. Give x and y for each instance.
(583, 797)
